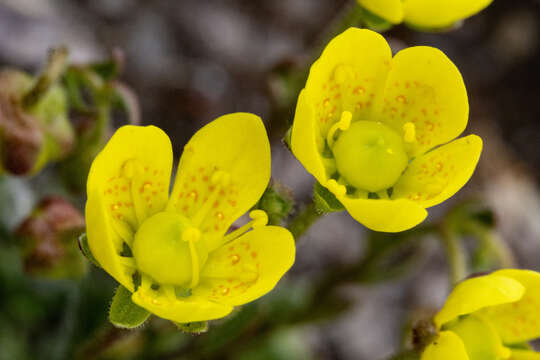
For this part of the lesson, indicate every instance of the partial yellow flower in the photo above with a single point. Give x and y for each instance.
(174, 252)
(487, 317)
(377, 131)
(425, 13)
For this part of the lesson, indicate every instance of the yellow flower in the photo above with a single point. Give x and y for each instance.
(425, 13)
(174, 252)
(377, 131)
(489, 317)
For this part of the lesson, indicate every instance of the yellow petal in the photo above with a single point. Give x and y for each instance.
(306, 139)
(349, 76)
(524, 355)
(481, 292)
(235, 147)
(390, 10)
(128, 182)
(384, 215)
(437, 175)
(248, 267)
(441, 13)
(424, 89)
(519, 321)
(479, 337)
(180, 310)
(448, 346)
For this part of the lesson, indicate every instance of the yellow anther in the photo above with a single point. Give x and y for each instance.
(259, 218)
(191, 234)
(409, 132)
(131, 168)
(343, 124)
(335, 188)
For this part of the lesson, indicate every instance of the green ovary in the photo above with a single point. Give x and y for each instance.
(370, 156)
(161, 253)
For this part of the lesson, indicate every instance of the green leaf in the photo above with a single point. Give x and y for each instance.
(85, 249)
(325, 200)
(124, 313)
(197, 327)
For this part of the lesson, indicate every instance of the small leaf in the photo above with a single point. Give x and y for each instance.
(85, 249)
(124, 313)
(325, 200)
(197, 327)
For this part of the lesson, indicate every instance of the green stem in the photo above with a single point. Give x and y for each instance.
(304, 219)
(455, 253)
(493, 242)
(55, 67)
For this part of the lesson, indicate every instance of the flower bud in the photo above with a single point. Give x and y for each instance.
(49, 240)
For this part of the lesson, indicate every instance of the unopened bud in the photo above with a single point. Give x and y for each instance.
(49, 240)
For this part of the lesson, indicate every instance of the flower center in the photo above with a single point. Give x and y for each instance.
(369, 155)
(166, 247)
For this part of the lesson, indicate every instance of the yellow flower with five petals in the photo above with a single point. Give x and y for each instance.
(431, 14)
(377, 131)
(489, 317)
(173, 252)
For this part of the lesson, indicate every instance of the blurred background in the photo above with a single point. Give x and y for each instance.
(190, 61)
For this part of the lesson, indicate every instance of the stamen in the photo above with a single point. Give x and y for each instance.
(383, 194)
(335, 188)
(124, 230)
(127, 261)
(169, 291)
(259, 218)
(130, 170)
(343, 124)
(220, 179)
(192, 235)
(409, 132)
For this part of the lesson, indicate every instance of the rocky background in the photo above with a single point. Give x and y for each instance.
(190, 61)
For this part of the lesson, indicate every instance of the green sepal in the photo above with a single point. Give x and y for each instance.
(197, 327)
(85, 249)
(325, 200)
(124, 313)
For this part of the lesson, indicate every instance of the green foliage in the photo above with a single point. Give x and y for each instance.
(197, 327)
(85, 249)
(124, 313)
(325, 200)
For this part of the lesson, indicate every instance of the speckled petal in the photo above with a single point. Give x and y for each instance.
(520, 320)
(425, 89)
(180, 310)
(128, 182)
(248, 267)
(384, 215)
(236, 146)
(477, 293)
(349, 76)
(437, 175)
